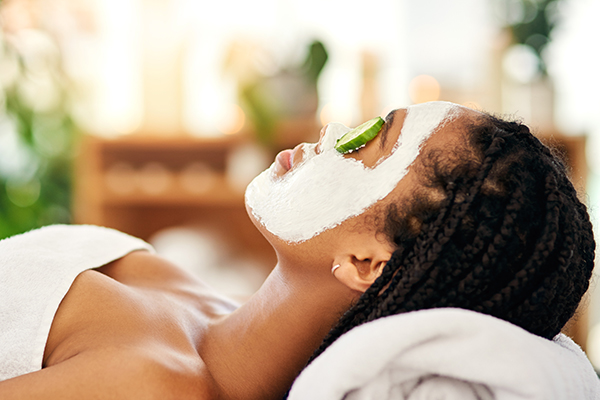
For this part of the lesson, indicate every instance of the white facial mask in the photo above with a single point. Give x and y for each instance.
(327, 189)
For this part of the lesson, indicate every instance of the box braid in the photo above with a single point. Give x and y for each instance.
(508, 238)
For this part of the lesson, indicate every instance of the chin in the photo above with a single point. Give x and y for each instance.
(261, 228)
(252, 217)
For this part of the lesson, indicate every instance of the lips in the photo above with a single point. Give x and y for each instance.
(284, 159)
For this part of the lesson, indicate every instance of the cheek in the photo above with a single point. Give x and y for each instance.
(323, 193)
(328, 189)
(370, 155)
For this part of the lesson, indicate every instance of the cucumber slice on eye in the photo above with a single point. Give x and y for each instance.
(359, 136)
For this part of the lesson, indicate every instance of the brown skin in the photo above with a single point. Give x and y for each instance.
(142, 328)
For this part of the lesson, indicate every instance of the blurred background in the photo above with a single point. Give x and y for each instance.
(151, 116)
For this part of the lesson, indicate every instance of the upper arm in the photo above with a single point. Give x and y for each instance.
(86, 375)
(102, 375)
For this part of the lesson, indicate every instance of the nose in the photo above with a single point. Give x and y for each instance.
(321, 137)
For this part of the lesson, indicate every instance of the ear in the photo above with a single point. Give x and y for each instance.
(359, 268)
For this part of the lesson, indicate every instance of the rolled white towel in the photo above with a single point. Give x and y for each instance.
(447, 354)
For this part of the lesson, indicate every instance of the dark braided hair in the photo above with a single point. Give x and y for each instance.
(496, 228)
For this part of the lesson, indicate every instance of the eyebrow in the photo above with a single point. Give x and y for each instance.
(389, 120)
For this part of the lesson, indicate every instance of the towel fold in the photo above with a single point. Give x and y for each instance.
(37, 269)
(447, 354)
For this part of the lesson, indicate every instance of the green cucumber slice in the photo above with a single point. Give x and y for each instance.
(359, 136)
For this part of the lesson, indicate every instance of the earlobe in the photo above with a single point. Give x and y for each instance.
(356, 274)
(360, 259)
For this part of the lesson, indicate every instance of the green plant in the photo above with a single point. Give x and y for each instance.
(36, 133)
(289, 93)
(531, 23)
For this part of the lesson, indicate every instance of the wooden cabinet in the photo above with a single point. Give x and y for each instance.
(141, 184)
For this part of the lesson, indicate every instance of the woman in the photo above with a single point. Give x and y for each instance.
(445, 207)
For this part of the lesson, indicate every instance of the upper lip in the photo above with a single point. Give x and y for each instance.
(291, 158)
(287, 159)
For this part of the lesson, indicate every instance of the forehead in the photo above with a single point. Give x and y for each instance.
(447, 138)
(432, 114)
(413, 124)
(432, 108)
(443, 119)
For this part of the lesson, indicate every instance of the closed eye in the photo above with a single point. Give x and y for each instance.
(389, 120)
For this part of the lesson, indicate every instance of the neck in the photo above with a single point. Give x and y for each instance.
(258, 350)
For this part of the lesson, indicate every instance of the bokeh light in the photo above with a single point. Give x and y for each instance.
(424, 88)
(233, 121)
(521, 63)
(335, 113)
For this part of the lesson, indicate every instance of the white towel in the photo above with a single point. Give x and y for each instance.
(447, 354)
(37, 269)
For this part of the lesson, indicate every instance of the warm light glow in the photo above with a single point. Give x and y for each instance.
(332, 113)
(389, 108)
(424, 88)
(593, 345)
(472, 104)
(233, 121)
(118, 85)
(325, 116)
(127, 124)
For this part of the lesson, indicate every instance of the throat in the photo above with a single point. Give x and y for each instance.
(257, 351)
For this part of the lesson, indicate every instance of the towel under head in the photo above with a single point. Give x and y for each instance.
(447, 354)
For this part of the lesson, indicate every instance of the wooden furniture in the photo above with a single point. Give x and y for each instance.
(142, 184)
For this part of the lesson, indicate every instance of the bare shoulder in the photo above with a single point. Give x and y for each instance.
(116, 373)
(141, 268)
(130, 329)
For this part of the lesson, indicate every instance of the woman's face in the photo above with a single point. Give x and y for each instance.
(313, 188)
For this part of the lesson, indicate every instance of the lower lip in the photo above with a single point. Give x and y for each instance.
(284, 159)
